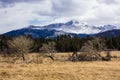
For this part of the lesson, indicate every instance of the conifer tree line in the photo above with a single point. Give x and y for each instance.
(63, 43)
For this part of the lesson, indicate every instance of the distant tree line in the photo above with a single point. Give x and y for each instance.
(64, 43)
(67, 43)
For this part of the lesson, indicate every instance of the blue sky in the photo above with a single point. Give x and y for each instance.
(15, 14)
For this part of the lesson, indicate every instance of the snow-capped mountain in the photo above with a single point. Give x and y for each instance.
(72, 27)
(76, 27)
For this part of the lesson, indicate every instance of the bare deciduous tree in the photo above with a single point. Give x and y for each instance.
(91, 50)
(49, 49)
(20, 46)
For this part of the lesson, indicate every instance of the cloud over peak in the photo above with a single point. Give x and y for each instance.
(15, 14)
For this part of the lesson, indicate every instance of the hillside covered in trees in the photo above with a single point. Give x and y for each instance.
(64, 43)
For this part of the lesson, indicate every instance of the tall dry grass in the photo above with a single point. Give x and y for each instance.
(60, 69)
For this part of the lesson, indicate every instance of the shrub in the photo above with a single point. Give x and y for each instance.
(19, 46)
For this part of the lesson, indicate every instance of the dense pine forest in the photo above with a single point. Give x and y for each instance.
(64, 43)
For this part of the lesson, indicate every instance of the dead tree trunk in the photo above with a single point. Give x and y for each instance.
(23, 57)
(50, 56)
(74, 57)
(108, 56)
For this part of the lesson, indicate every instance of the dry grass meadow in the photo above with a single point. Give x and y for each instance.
(60, 69)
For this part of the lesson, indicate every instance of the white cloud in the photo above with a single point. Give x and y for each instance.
(17, 14)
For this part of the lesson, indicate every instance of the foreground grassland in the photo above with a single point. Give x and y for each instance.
(62, 70)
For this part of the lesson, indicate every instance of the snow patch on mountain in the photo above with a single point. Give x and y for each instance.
(76, 27)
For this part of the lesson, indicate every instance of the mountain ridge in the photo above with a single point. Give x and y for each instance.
(76, 27)
(72, 27)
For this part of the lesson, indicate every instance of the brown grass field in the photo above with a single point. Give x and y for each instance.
(61, 69)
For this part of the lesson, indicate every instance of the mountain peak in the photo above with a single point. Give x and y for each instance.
(74, 26)
(72, 22)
